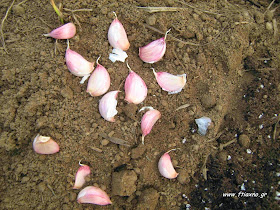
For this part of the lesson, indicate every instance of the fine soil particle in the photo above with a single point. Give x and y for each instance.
(230, 53)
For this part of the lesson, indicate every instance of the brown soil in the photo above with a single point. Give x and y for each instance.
(233, 78)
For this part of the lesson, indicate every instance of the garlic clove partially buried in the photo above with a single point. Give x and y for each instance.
(81, 174)
(77, 64)
(65, 31)
(108, 104)
(94, 195)
(153, 51)
(148, 120)
(165, 166)
(117, 36)
(45, 145)
(99, 81)
(171, 83)
(135, 88)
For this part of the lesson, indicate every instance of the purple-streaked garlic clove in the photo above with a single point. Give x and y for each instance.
(77, 64)
(65, 31)
(99, 81)
(93, 195)
(148, 121)
(135, 88)
(117, 36)
(45, 145)
(165, 166)
(153, 51)
(81, 174)
(169, 82)
(203, 123)
(108, 104)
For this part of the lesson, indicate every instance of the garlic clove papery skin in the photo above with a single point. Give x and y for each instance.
(81, 174)
(93, 195)
(45, 145)
(99, 81)
(77, 64)
(65, 31)
(166, 168)
(117, 55)
(203, 123)
(169, 82)
(148, 121)
(135, 88)
(117, 36)
(153, 51)
(108, 104)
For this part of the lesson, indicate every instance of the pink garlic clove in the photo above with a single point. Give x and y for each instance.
(135, 88)
(153, 51)
(77, 64)
(65, 31)
(93, 195)
(81, 174)
(99, 81)
(45, 145)
(108, 104)
(117, 36)
(148, 121)
(165, 166)
(169, 82)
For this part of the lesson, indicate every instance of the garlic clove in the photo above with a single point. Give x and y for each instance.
(117, 55)
(153, 51)
(81, 174)
(148, 121)
(165, 166)
(117, 36)
(45, 145)
(108, 104)
(65, 31)
(135, 88)
(99, 81)
(93, 195)
(169, 82)
(77, 64)
(203, 123)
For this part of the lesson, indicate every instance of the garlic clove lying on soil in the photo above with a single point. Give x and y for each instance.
(153, 51)
(81, 174)
(148, 121)
(65, 31)
(99, 81)
(169, 82)
(117, 36)
(135, 88)
(108, 104)
(165, 166)
(203, 123)
(77, 64)
(45, 145)
(93, 195)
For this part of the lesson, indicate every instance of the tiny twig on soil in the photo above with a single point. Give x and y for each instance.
(96, 149)
(216, 137)
(2, 25)
(205, 11)
(161, 9)
(21, 2)
(78, 10)
(182, 107)
(222, 146)
(114, 139)
(51, 189)
(275, 128)
(269, 6)
(204, 168)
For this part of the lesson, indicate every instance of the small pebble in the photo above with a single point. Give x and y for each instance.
(105, 142)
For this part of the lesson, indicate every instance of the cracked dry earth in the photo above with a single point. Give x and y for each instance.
(230, 53)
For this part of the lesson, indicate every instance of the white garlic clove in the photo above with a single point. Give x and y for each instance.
(108, 104)
(81, 174)
(94, 195)
(45, 145)
(169, 82)
(99, 81)
(165, 166)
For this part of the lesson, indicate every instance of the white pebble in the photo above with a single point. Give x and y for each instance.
(249, 151)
